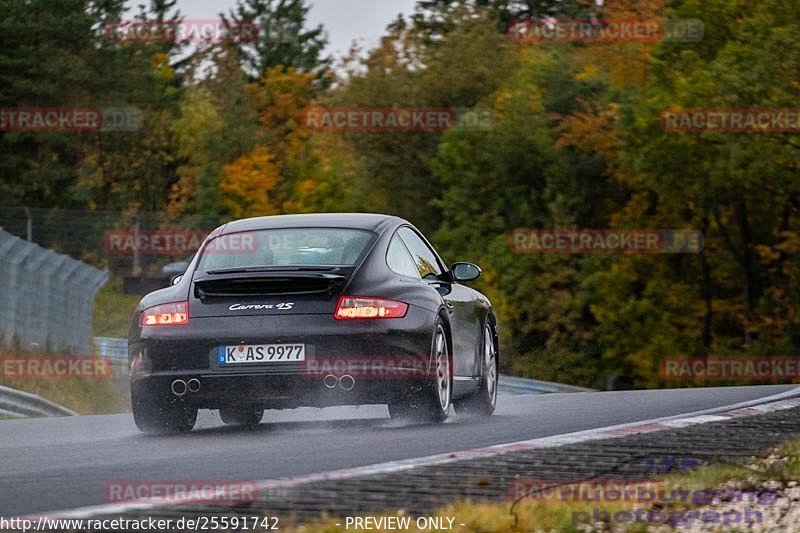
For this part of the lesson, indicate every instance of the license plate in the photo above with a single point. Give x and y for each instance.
(244, 354)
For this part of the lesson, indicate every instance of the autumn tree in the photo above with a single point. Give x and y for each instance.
(247, 184)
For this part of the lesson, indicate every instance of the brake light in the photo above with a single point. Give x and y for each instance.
(354, 307)
(172, 314)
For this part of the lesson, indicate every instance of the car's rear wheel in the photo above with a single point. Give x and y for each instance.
(429, 402)
(161, 413)
(241, 416)
(484, 401)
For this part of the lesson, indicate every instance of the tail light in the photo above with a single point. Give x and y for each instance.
(355, 307)
(172, 314)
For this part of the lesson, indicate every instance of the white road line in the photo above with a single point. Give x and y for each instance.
(764, 405)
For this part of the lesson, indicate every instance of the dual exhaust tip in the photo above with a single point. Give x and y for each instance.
(345, 382)
(181, 388)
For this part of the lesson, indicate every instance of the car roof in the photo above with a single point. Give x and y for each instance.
(367, 221)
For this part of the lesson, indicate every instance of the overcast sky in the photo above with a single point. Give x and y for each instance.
(344, 20)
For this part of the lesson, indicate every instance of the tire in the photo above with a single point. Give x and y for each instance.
(241, 416)
(484, 401)
(160, 414)
(430, 402)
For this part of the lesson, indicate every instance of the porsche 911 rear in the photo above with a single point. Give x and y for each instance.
(277, 318)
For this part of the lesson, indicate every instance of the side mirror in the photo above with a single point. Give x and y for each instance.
(176, 279)
(465, 272)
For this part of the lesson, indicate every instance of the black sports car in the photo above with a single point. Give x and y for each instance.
(313, 310)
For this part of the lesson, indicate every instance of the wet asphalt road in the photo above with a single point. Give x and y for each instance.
(62, 463)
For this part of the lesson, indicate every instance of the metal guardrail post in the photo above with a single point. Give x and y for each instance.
(6, 293)
(54, 297)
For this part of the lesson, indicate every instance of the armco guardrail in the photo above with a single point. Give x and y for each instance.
(113, 349)
(116, 351)
(20, 404)
(46, 298)
(511, 385)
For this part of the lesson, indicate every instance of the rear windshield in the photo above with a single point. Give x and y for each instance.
(298, 246)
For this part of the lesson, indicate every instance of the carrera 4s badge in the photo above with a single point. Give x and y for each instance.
(258, 307)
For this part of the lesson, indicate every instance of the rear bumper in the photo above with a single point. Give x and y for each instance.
(162, 355)
(275, 392)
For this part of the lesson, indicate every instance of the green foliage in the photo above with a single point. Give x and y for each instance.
(113, 310)
(38, 70)
(283, 39)
(402, 73)
(577, 142)
(740, 188)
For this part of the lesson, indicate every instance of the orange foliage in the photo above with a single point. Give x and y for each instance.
(182, 191)
(280, 97)
(248, 182)
(624, 62)
(592, 132)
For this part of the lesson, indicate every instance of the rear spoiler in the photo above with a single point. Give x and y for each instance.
(236, 285)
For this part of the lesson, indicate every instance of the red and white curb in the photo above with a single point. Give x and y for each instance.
(777, 402)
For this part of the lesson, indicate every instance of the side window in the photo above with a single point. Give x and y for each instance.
(399, 260)
(427, 265)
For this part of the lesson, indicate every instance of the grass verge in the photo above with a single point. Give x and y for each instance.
(84, 396)
(113, 310)
(767, 479)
